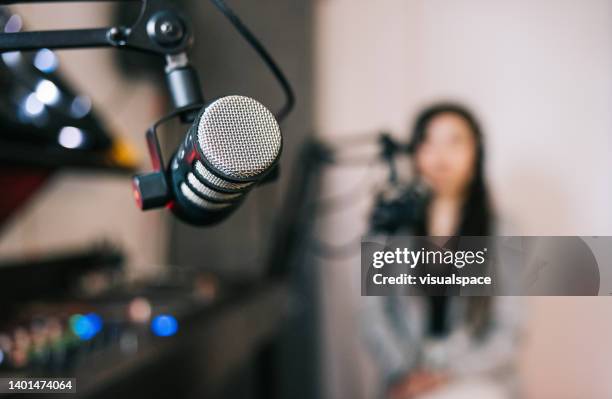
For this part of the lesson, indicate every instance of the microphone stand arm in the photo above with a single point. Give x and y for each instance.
(160, 29)
(389, 149)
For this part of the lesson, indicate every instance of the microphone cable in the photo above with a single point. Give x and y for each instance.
(263, 54)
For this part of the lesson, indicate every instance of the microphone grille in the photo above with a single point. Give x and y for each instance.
(239, 137)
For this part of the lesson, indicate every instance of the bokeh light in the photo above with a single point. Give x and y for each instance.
(164, 325)
(71, 137)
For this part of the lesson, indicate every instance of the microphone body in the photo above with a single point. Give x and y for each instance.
(402, 211)
(233, 143)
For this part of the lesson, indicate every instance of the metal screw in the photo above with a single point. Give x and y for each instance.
(170, 29)
(117, 35)
(166, 28)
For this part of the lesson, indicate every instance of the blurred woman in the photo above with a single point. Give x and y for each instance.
(444, 346)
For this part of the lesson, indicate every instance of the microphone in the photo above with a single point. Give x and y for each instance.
(389, 147)
(403, 209)
(233, 143)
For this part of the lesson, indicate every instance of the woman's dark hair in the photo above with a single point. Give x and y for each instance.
(476, 214)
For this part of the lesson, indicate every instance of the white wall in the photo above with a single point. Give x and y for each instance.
(539, 75)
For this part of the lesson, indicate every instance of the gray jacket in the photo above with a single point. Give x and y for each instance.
(394, 328)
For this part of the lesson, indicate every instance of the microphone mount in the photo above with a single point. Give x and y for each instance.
(160, 29)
